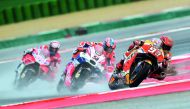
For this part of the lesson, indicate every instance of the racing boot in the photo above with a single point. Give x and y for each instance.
(158, 76)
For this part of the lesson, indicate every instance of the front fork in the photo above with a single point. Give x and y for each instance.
(19, 69)
(118, 77)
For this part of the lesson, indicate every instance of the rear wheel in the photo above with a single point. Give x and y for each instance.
(139, 73)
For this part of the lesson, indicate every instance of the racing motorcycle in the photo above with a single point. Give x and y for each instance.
(29, 70)
(138, 65)
(88, 70)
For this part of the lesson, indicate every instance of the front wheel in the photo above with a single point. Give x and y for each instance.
(115, 82)
(79, 78)
(139, 74)
(26, 77)
(61, 86)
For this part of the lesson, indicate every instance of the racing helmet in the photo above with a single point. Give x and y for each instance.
(109, 44)
(167, 43)
(54, 47)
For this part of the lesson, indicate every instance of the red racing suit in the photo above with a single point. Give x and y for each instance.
(48, 64)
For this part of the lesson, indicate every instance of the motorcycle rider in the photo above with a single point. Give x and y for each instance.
(108, 47)
(165, 43)
(49, 56)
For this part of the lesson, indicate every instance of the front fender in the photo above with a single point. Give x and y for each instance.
(28, 59)
(148, 61)
(20, 68)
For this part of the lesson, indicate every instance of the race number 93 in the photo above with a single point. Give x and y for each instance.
(154, 51)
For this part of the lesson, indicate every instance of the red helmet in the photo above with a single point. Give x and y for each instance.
(109, 45)
(167, 43)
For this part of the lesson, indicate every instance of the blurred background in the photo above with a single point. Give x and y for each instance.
(41, 20)
(30, 23)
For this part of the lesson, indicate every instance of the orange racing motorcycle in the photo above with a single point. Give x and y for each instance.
(138, 65)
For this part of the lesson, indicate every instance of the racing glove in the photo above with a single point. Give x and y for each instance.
(79, 49)
(135, 44)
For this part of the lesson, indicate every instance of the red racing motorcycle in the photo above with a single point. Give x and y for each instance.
(138, 65)
(29, 70)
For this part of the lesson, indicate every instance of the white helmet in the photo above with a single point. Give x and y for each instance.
(54, 47)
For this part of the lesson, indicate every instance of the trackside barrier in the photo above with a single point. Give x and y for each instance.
(2, 20)
(108, 2)
(45, 8)
(53, 8)
(36, 13)
(27, 12)
(118, 1)
(90, 4)
(63, 6)
(96, 27)
(34, 39)
(8, 15)
(103, 26)
(17, 13)
(72, 5)
(99, 3)
(81, 5)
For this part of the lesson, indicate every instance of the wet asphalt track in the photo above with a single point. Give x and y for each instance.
(43, 90)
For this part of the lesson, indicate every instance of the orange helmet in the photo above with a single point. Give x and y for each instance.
(167, 43)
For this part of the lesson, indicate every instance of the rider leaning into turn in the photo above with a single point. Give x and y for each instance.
(51, 55)
(108, 51)
(165, 43)
(109, 46)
